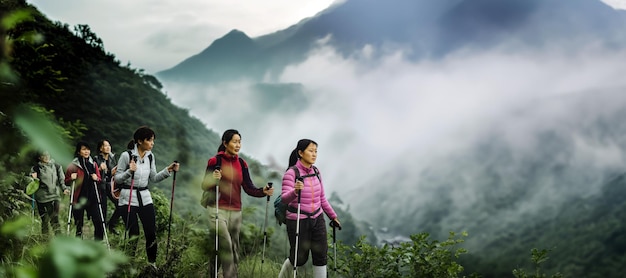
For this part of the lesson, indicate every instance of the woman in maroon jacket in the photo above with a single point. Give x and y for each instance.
(84, 172)
(233, 175)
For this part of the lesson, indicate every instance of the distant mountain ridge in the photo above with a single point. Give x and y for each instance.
(428, 28)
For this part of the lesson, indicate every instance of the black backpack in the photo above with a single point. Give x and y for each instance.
(280, 208)
(207, 197)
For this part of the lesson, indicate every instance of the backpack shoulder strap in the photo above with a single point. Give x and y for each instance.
(296, 171)
(37, 169)
(242, 163)
(218, 162)
(149, 156)
(317, 173)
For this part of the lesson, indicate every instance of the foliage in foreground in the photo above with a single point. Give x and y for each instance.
(418, 258)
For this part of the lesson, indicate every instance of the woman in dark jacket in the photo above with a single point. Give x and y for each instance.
(233, 175)
(107, 162)
(84, 172)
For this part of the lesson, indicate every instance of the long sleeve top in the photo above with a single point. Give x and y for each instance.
(312, 195)
(145, 173)
(235, 176)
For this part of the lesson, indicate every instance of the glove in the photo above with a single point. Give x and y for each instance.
(334, 224)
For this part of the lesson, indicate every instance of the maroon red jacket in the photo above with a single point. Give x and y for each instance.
(234, 178)
(75, 167)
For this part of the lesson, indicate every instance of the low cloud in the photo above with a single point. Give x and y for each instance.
(382, 120)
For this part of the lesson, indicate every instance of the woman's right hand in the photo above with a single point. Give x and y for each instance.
(299, 185)
(73, 176)
(132, 166)
(217, 174)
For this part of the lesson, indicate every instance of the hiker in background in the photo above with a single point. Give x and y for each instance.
(47, 178)
(108, 166)
(232, 176)
(312, 233)
(137, 167)
(84, 172)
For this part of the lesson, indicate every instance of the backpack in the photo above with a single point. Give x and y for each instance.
(207, 197)
(280, 208)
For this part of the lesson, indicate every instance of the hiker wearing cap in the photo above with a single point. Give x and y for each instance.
(306, 201)
(231, 172)
(47, 185)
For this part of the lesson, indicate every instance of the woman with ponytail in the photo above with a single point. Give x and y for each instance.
(232, 175)
(312, 228)
(137, 166)
(84, 172)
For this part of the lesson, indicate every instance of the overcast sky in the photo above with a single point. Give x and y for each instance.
(155, 35)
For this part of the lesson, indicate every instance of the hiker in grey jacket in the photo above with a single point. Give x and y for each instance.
(48, 196)
(137, 169)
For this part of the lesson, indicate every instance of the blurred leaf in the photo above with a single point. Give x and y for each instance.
(17, 228)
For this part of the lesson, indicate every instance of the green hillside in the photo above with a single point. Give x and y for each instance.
(59, 85)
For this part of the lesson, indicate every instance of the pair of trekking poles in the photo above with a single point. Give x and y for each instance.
(332, 224)
(130, 197)
(69, 216)
(217, 190)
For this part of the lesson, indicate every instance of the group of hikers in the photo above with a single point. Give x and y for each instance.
(125, 182)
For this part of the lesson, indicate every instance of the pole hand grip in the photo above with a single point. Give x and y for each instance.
(269, 185)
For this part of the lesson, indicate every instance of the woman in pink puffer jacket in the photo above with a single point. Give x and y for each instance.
(312, 227)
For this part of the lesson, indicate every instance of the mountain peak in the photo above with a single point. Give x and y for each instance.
(236, 34)
(234, 37)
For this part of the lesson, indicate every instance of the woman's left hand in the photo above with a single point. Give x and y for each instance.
(335, 223)
(173, 167)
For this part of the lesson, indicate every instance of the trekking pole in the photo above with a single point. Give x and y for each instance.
(32, 215)
(295, 256)
(169, 224)
(95, 187)
(334, 225)
(104, 228)
(69, 213)
(130, 197)
(269, 185)
(217, 205)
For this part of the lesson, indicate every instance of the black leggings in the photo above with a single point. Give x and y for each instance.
(92, 212)
(312, 237)
(148, 220)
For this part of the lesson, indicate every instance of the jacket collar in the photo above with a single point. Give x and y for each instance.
(226, 156)
(136, 152)
(301, 167)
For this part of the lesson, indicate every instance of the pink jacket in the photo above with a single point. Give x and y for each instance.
(312, 198)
